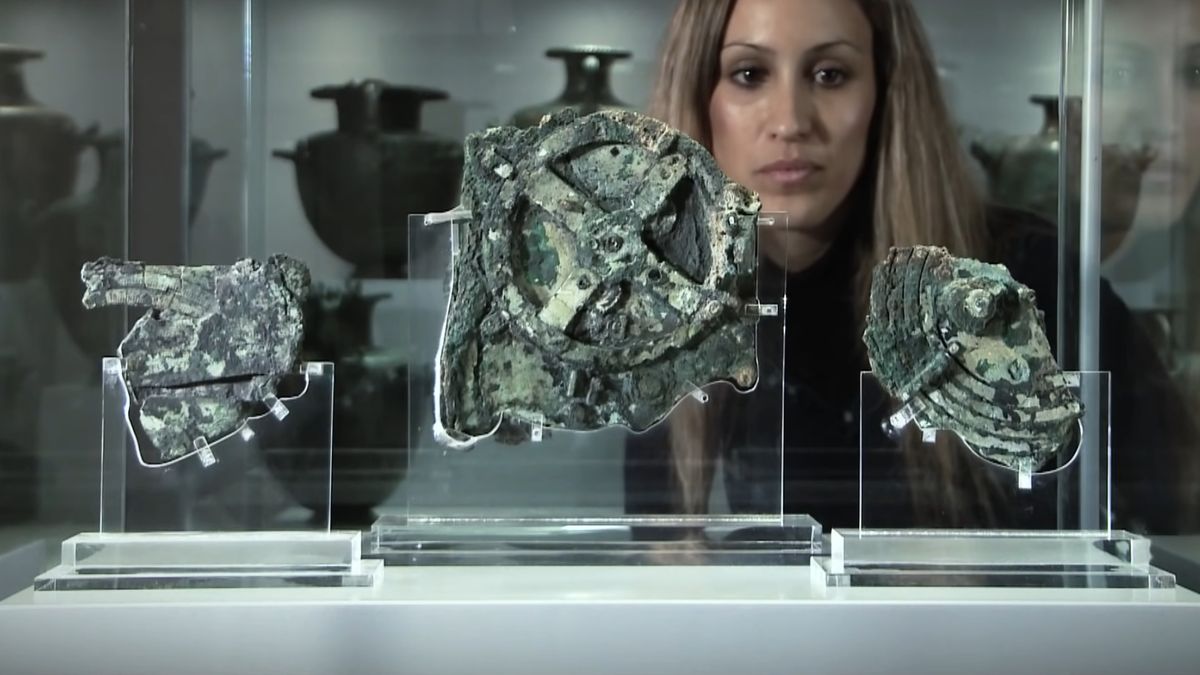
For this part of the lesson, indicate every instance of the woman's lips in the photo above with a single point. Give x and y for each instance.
(787, 173)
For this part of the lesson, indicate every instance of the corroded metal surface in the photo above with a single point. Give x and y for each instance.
(603, 275)
(964, 345)
(212, 348)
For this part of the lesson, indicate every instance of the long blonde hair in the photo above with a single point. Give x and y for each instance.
(916, 177)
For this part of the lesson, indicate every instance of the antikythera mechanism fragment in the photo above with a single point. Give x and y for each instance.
(604, 274)
(212, 348)
(964, 346)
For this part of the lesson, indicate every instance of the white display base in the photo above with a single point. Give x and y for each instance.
(616, 540)
(95, 561)
(698, 620)
(989, 558)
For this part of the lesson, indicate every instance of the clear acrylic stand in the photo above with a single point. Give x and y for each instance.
(247, 510)
(711, 539)
(989, 558)
(1054, 525)
(178, 560)
(563, 497)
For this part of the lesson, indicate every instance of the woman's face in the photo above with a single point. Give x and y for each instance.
(792, 108)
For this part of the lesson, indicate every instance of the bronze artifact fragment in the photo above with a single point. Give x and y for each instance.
(91, 224)
(588, 88)
(604, 273)
(964, 346)
(212, 348)
(359, 183)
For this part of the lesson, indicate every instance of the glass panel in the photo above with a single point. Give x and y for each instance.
(62, 109)
(1117, 300)
(337, 189)
(1148, 129)
(489, 61)
(224, 160)
(1000, 70)
(1000, 67)
(208, 188)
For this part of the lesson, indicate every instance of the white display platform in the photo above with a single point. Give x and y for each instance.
(531, 620)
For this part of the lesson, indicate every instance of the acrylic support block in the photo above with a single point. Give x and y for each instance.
(618, 540)
(272, 473)
(989, 558)
(96, 561)
(1072, 490)
(553, 493)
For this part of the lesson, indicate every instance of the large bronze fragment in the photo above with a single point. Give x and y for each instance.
(212, 348)
(964, 345)
(604, 273)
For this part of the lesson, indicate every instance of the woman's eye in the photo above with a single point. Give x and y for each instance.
(829, 77)
(749, 76)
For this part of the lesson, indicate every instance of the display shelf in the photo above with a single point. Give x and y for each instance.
(699, 619)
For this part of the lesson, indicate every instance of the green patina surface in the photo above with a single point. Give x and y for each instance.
(213, 346)
(603, 275)
(964, 344)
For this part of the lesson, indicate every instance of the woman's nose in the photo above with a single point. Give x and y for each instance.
(792, 113)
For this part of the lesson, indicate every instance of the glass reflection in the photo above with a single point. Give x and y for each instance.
(1151, 104)
(62, 82)
(1150, 131)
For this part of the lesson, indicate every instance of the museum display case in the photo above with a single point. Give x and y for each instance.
(545, 331)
